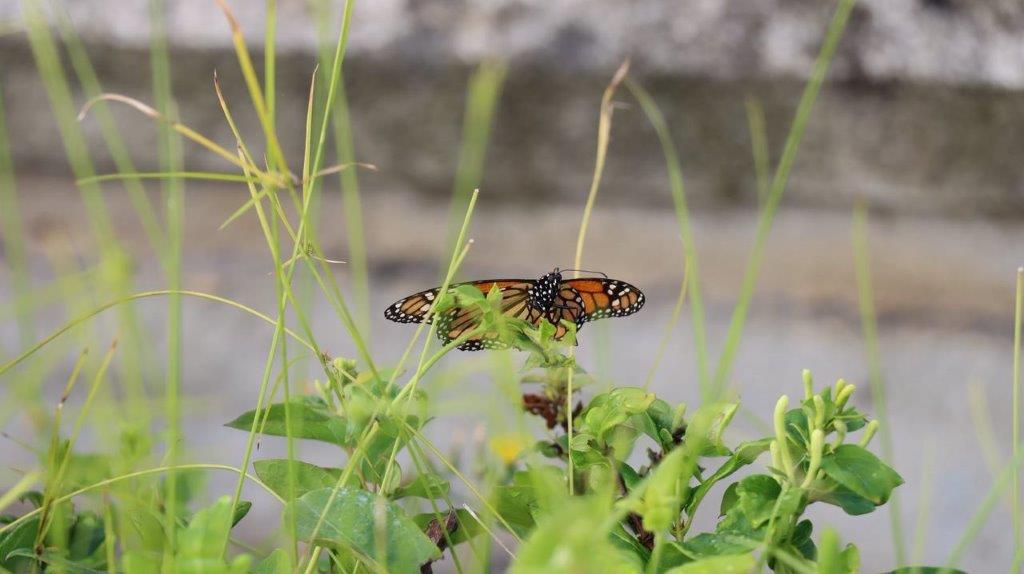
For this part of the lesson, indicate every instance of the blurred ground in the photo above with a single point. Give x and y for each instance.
(944, 291)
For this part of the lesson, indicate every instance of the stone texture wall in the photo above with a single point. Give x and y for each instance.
(922, 113)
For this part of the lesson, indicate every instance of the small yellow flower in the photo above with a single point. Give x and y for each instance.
(508, 447)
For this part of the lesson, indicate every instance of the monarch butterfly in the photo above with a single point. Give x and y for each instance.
(549, 298)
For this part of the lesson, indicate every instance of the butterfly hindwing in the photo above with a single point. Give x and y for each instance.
(415, 307)
(460, 320)
(568, 307)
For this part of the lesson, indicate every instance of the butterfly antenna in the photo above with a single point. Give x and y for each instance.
(587, 271)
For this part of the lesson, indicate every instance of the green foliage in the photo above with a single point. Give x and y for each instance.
(566, 541)
(310, 417)
(351, 520)
(737, 564)
(621, 518)
(860, 471)
(307, 477)
(275, 563)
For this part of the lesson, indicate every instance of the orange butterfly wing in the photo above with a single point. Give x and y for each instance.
(602, 298)
(415, 307)
(457, 321)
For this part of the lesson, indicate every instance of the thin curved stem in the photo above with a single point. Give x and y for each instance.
(148, 471)
(161, 292)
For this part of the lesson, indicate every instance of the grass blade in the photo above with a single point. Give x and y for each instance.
(759, 148)
(675, 176)
(878, 393)
(482, 97)
(1018, 543)
(778, 187)
(13, 234)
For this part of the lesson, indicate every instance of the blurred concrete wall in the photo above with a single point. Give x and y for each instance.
(922, 115)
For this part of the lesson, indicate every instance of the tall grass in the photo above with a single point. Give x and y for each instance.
(169, 153)
(759, 147)
(13, 234)
(675, 176)
(482, 97)
(869, 326)
(1017, 511)
(776, 191)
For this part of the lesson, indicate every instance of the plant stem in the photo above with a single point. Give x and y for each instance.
(169, 146)
(604, 128)
(675, 178)
(778, 188)
(1018, 543)
(865, 295)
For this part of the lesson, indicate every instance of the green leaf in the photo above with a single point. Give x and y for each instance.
(201, 544)
(662, 497)
(22, 536)
(426, 485)
(851, 502)
(241, 510)
(146, 531)
(568, 541)
(708, 544)
(206, 535)
(627, 541)
(831, 560)
(630, 478)
(517, 505)
(797, 431)
(85, 537)
(311, 418)
(720, 421)
(862, 472)
(736, 564)
(141, 562)
(925, 570)
(275, 563)
(86, 469)
(729, 499)
(467, 294)
(801, 540)
(746, 453)
(756, 496)
(607, 411)
(662, 423)
(355, 520)
(377, 453)
(52, 558)
(854, 419)
(274, 473)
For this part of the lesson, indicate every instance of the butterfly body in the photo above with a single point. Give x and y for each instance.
(544, 291)
(550, 298)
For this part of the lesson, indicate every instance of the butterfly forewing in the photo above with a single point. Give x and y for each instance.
(606, 297)
(458, 321)
(415, 307)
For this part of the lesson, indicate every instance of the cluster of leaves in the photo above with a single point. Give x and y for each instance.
(653, 508)
(580, 499)
(57, 536)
